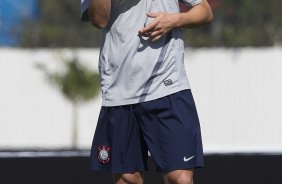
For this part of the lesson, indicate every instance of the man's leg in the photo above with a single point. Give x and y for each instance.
(171, 129)
(128, 178)
(179, 177)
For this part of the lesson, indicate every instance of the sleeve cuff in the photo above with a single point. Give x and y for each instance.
(191, 2)
(83, 10)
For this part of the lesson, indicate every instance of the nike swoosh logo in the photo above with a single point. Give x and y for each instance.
(187, 159)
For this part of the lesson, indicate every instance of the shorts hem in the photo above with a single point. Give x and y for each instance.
(118, 171)
(198, 166)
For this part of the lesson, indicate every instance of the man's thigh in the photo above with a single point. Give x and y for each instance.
(171, 130)
(118, 145)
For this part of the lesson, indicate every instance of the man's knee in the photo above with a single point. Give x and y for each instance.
(184, 179)
(180, 177)
(134, 178)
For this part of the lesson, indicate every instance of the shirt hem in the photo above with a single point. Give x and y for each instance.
(148, 98)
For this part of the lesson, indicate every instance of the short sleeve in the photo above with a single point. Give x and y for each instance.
(83, 10)
(191, 2)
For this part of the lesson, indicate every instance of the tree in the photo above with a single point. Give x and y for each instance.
(240, 23)
(237, 23)
(59, 25)
(78, 84)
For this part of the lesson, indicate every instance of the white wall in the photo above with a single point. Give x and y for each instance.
(238, 93)
(239, 98)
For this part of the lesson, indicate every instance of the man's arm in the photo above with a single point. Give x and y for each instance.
(164, 22)
(99, 12)
(197, 15)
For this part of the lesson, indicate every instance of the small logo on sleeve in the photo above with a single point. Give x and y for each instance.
(104, 154)
(168, 82)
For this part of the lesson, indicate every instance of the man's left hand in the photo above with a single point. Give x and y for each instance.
(162, 24)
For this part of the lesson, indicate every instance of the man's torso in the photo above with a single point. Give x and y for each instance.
(132, 68)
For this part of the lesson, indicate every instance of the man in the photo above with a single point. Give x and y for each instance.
(147, 102)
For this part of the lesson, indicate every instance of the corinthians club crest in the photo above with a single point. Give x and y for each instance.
(104, 154)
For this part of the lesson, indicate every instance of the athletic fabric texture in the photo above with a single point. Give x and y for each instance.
(132, 68)
(167, 127)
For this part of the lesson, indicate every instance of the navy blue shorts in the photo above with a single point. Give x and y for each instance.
(167, 127)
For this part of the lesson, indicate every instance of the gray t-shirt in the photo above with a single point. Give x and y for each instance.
(132, 68)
